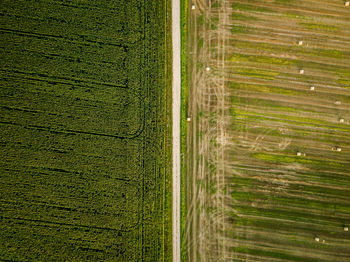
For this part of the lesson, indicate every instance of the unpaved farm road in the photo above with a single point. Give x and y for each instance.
(176, 88)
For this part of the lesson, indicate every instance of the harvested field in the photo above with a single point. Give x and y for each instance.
(268, 153)
(85, 142)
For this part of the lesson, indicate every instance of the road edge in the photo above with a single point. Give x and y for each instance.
(176, 102)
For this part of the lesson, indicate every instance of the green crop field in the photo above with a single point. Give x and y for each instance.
(85, 99)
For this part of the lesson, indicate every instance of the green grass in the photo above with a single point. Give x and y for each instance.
(283, 1)
(257, 73)
(273, 48)
(242, 17)
(320, 27)
(345, 83)
(292, 15)
(302, 121)
(261, 59)
(250, 7)
(273, 254)
(84, 140)
(184, 114)
(270, 90)
(315, 163)
(239, 29)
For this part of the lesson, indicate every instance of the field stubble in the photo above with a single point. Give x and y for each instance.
(205, 233)
(268, 155)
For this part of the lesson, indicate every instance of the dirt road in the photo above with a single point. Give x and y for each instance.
(176, 88)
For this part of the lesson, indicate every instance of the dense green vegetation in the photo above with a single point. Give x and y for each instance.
(84, 141)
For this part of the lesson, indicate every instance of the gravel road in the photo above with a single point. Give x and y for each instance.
(176, 89)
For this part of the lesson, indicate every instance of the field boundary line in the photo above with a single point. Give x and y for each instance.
(176, 102)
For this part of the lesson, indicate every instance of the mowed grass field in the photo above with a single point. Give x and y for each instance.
(291, 185)
(85, 102)
(275, 184)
